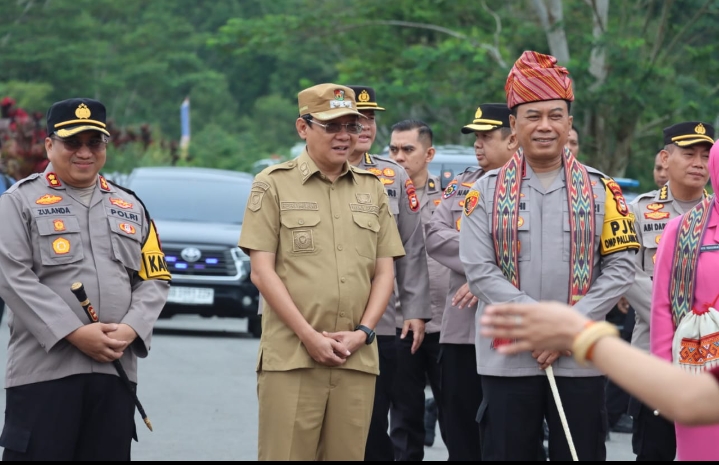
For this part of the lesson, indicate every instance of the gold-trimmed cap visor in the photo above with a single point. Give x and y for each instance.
(686, 141)
(369, 106)
(366, 98)
(64, 133)
(488, 117)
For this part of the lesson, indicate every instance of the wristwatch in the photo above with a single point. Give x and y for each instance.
(370, 334)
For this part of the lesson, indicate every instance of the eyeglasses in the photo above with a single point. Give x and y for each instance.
(334, 128)
(73, 145)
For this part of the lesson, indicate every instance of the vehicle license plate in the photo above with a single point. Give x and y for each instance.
(191, 295)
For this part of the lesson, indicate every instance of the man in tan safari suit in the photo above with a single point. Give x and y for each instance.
(322, 243)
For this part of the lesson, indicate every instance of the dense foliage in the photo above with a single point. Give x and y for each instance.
(638, 66)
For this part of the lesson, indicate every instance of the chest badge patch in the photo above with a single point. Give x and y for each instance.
(657, 216)
(375, 171)
(437, 202)
(120, 203)
(364, 198)
(389, 172)
(48, 199)
(61, 246)
(520, 222)
(386, 181)
(471, 201)
(128, 228)
(58, 225)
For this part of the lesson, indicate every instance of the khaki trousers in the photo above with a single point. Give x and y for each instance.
(314, 414)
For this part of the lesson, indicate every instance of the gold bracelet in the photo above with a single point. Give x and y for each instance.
(585, 340)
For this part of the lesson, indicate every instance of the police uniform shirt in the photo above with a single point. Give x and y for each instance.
(430, 199)
(544, 235)
(652, 211)
(443, 246)
(411, 271)
(327, 238)
(51, 239)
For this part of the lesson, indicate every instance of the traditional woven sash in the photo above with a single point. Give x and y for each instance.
(686, 258)
(505, 217)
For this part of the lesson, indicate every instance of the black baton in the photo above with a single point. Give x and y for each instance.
(79, 290)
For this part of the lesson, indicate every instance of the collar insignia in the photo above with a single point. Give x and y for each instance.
(103, 184)
(664, 193)
(53, 180)
(431, 184)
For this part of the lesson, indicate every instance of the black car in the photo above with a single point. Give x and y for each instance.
(198, 213)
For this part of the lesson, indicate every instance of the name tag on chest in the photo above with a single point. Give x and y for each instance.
(709, 248)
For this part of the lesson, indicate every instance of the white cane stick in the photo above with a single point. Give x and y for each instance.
(562, 416)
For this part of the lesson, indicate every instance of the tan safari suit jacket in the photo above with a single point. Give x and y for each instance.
(326, 237)
(50, 240)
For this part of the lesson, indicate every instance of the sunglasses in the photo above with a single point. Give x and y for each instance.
(334, 128)
(73, 145)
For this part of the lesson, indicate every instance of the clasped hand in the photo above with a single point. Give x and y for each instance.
(103, 342)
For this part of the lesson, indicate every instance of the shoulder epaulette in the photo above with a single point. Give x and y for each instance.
(17, 184)
(646, 195)
(596, 172)
(287, 165)
(359, 170)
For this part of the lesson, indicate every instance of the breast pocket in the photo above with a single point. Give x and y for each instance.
(60, 240)
(301, 232)
(650, 245)
(365, 234)
(524, 235)
(126, 240)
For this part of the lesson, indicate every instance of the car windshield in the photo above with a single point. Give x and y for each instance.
(197, 200)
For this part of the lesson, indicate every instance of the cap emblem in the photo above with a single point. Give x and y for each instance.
(83, 112)
(700, 129)
(478, 114)
(363, 96)
(339, 94)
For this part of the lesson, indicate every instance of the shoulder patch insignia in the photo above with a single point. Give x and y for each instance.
(260, 185)
(471, 201)
(411, 195)
(450, 190)
(612, 185)
(48, 199)
(120, 203)
(255, 201)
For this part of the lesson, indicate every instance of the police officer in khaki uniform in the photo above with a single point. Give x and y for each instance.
(411, 147)
(543, 227)
(64, 401)
(409, 303)
(461, 385)
(684, 159)
(322, 243)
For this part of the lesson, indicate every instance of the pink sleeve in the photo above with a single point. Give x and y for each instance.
(661, 328)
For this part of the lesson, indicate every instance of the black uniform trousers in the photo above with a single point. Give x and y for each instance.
(461, 397)
(379, 445)
(654, 437)
(77, 418)
(618, 398)
(407, 411)
(510, 418)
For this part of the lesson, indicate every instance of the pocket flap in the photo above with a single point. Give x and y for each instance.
(366, 221)
(15, 438)
(299, 219)
(61, 225)
(126, 229)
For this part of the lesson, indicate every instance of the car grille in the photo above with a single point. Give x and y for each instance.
(210, 263)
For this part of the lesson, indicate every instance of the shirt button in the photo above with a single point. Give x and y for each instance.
(369, 224)
(301, 222)
(339, 247)
(337, 216)
(332, 188)
(342, 314)
(343, 280)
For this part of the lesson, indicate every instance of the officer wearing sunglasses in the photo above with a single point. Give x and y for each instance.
(322, 243)
(61, 226)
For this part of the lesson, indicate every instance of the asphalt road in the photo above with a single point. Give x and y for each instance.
(198, 387)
